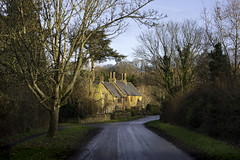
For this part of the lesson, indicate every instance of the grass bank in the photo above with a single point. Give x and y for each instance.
(42, 148)
(203, 146)
(11, 139)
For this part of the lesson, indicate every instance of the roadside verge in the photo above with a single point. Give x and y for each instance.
(65, 144)
(197, 145)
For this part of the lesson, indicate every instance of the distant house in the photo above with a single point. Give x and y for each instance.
(117, 94)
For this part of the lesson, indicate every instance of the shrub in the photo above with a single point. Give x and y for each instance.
(211, 109)
(20, 112)
(132, 111)
(81, 108)
(153, 109)
(88, 107)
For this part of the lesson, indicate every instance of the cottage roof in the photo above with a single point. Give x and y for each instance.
(112, 89)
(128, 88)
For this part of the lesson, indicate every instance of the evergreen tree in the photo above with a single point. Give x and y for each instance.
(219, 65)
(98, 47)
(167, 74)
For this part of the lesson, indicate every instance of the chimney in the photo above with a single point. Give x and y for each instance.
(101, 79)
(125, 78)
(110, 77)
(114, 78)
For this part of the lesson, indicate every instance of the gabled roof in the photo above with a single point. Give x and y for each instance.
(112, 89)
(127, 88)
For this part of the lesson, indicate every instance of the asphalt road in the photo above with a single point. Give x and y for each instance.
(130, 141)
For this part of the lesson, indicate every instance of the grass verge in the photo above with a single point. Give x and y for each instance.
(204, 146)
(61, 147)
(11, 139)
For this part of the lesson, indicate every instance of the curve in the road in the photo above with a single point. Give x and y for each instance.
(130, 141)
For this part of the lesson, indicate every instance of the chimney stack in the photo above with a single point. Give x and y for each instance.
(124, 78)
(101, 79)
(112, 77)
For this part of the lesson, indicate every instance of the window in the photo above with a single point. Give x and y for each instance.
(119, 100)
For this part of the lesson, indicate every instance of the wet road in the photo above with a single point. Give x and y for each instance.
(130, 141)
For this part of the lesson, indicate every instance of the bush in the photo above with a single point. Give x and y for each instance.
(20, 112)
(132, 111)
(88, 107)
(120, 114)
(68, 113)
(153, 109)
(81, 108)
(211, 109)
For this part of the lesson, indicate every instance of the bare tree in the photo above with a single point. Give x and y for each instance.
(157, 50)
(171, 51)
(188, 46)
(62, 30)
(224, 26)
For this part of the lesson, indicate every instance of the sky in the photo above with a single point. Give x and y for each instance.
(176, 10)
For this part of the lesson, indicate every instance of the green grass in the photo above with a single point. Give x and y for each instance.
(42, 148)
(9, 139)
(202, 144)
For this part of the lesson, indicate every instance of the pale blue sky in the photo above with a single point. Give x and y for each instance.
(176, 10)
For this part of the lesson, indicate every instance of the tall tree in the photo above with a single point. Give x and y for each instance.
(188, 46)
(219, 65)
(184, 64)
(98, 46)
(157, 50)
(62, 29)
(224, 27)
(171, 51)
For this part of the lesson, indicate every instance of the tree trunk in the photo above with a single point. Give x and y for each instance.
(53, 127)
(92, 78)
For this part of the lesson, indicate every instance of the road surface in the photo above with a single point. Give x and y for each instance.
(130, 141)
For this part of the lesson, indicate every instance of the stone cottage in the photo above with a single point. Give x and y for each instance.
(117, 94)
